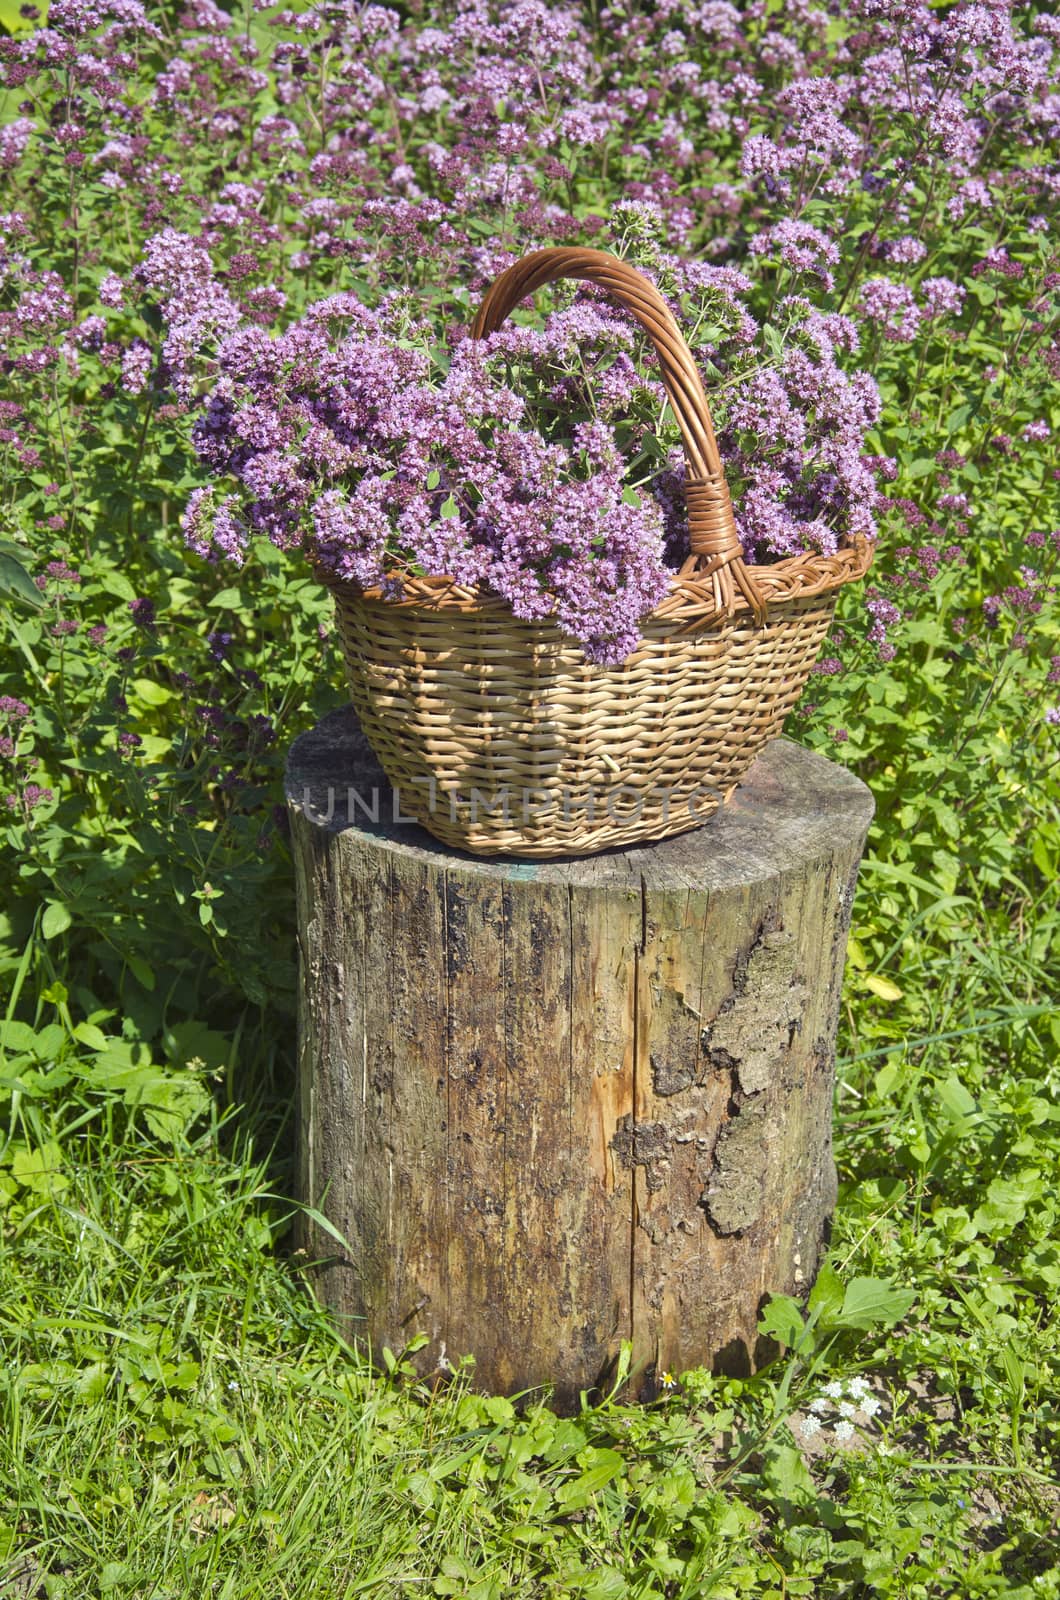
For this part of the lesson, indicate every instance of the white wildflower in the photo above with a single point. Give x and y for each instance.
(847, 1408)
(808, 1426)
(818, 1407)
(844, 1430)
(858, 1387)
(870, 1406)
(834, 1389)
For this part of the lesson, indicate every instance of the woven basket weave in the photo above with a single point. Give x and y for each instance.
(497, 733)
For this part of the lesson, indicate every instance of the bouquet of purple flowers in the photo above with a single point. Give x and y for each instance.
(539, 463)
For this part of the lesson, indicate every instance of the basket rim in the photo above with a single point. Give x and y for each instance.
(691, 598)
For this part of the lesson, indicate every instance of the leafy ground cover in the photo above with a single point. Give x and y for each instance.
(178, 1419)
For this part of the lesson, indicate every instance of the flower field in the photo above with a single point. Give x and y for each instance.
(239, 256)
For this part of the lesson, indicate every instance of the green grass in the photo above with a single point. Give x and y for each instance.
(180, 1420)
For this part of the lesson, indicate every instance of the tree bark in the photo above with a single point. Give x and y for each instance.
(555, 1105)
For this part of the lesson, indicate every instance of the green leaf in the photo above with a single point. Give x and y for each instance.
(610, 1584)
(169, 1101)
(172, 1106)
(788, 1475)
(774, 342)
(782, 1320)
(143, 974)
(228, 599)
(15, 580)
(56, 919)
(38, 1170)
(189, 1039)
(1044, 858)
(883, 987)
(117, 584)
(826, 1296)
(151, 693)
(873, 1303)
(449, 508)
(1006, 1202)
(605, 1465)
(434, 478)
(114, 1575)
(11, 19)
(95, 1038)
(152, 748)
(453, 1567)
(92, 1383)
(955, 1099)
(18, 1037)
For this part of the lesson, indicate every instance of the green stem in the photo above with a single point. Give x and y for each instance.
(66, 458)
(134, 477)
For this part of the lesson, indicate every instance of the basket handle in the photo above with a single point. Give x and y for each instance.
(715, 544)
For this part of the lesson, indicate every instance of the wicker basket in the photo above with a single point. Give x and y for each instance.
(501, 738)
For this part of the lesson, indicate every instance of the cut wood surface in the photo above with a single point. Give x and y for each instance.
(555, 1105)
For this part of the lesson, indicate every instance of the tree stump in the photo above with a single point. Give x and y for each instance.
(555, 1105)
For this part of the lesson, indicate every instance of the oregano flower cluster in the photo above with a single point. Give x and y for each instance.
(527, 463)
